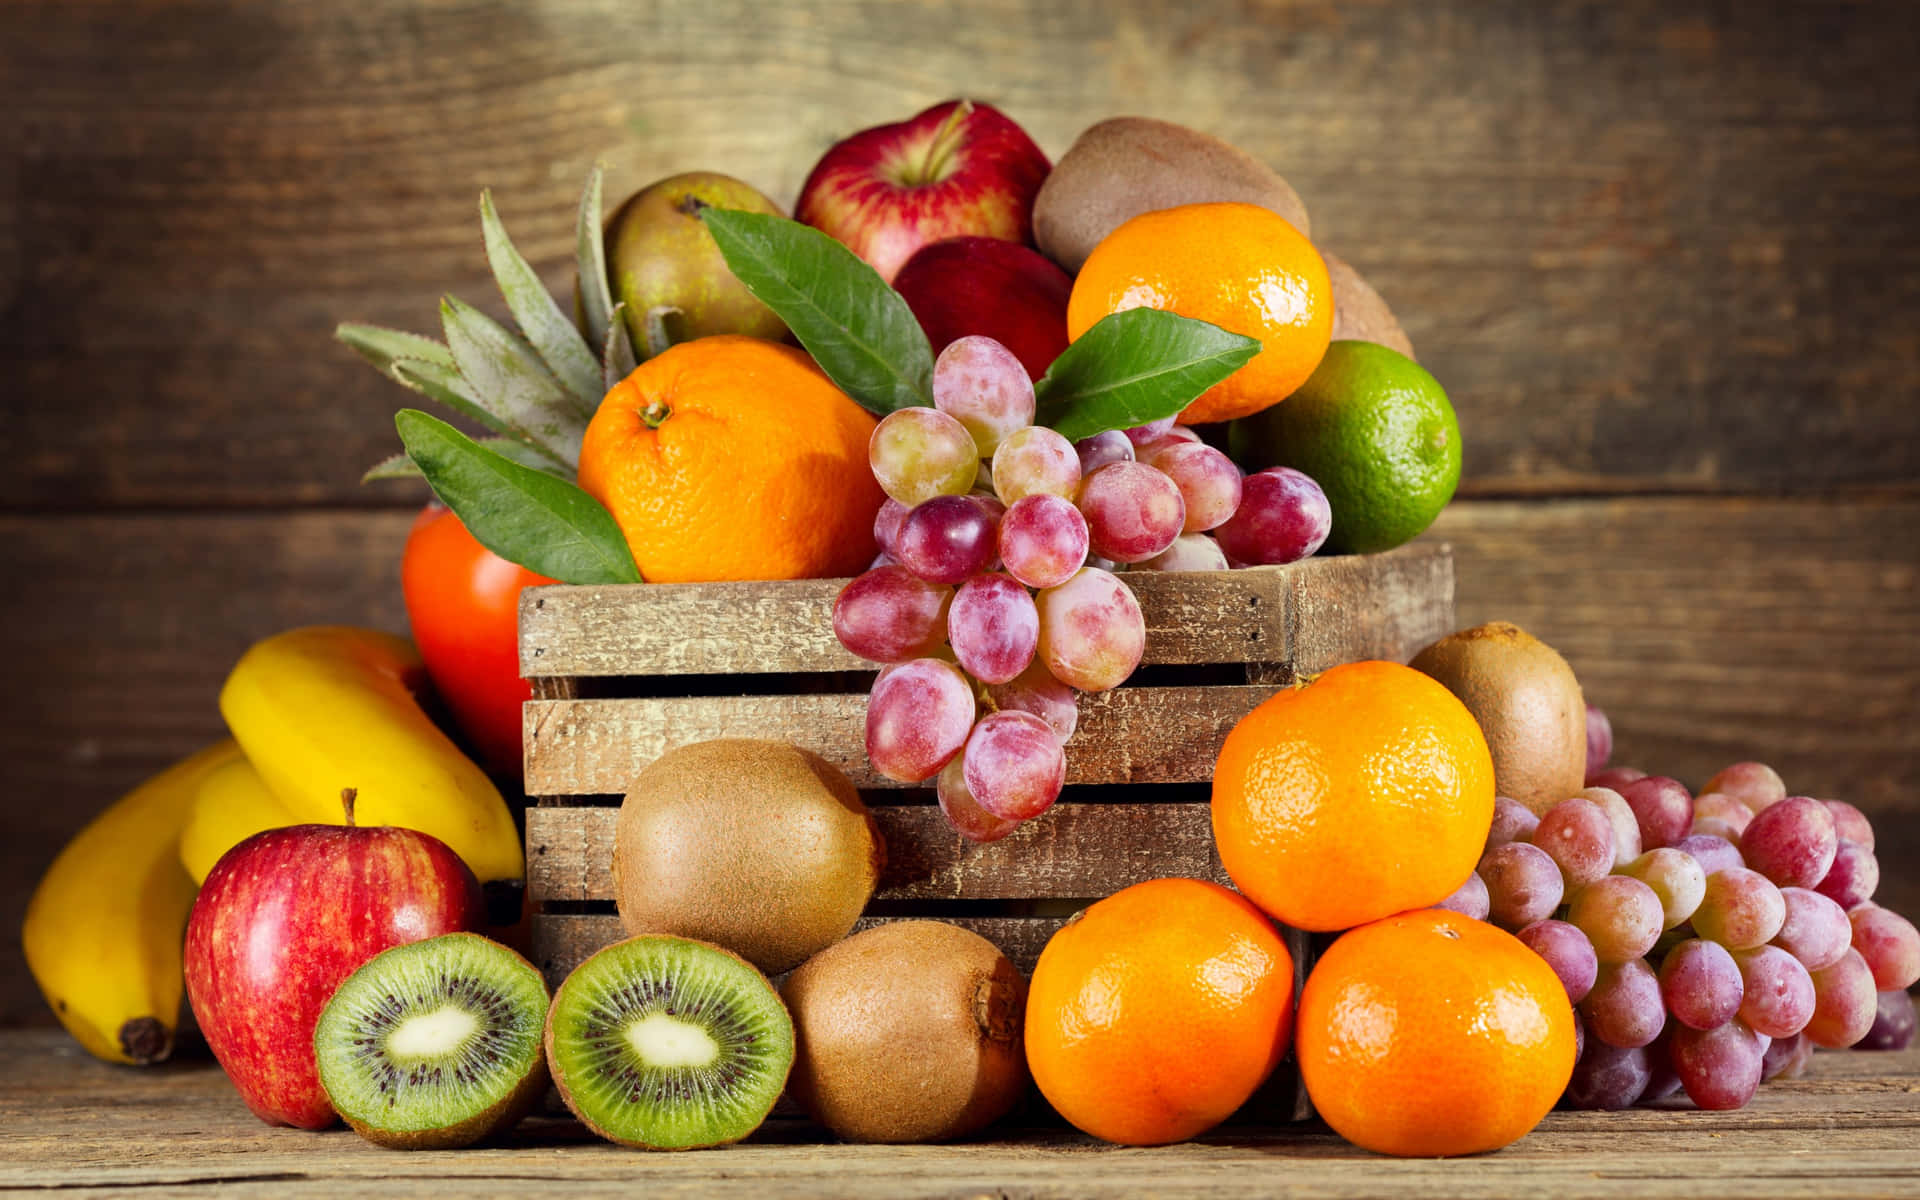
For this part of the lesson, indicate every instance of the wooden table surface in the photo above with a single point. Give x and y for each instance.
(1850, 1127)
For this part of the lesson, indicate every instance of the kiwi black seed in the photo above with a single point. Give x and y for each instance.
(435, 1044)
(668, 1043)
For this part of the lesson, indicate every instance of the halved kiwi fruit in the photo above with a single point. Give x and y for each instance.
(668, 1043)
(435, 1044)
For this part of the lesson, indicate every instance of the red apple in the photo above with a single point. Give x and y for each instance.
(283, 918)
(957, 168)
(981, 285)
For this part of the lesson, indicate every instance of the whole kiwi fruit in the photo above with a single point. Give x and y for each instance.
(757, 846)
(1125, 166)
(909, 1031)
(1359, 314)
(1528, 703)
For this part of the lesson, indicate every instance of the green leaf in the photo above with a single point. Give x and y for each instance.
(545, 524)
(384, 347)
(1133, 367)
(857, 328)
(590, 263)
(553, 336)
(511, 383)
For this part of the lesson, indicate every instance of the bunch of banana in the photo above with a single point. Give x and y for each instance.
(313, 711)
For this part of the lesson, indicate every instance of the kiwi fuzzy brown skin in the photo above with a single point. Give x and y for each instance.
(1125, 166)
(908, 1032)
(1528, 703)
(1359, 314)
(757, 846)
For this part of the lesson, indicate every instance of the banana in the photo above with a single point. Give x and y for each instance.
(324, 708)
(104, 929)
(231, 805)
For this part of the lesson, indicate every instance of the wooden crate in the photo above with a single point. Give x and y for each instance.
(623, 673)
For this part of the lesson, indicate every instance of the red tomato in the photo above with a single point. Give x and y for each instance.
(463, 602)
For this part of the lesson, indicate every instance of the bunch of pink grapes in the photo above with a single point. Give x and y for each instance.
(1707, 942)
(997, 592)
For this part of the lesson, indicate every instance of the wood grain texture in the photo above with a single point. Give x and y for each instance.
(1074, 851)
(1848, 1128)
(1647, 246)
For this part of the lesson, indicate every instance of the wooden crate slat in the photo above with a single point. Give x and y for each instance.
(1075, 851)
(1388, 606)
(1128, 735)
(786, 627)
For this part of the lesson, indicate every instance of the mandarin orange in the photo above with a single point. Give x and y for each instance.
(734, 458)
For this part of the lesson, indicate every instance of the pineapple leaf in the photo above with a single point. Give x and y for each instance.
(384, 347)
(399, 466)
(545, 524)
(519, 391)
(559, 345)
(402, 467)
(618, 358)
(590, 255)
(444, 383)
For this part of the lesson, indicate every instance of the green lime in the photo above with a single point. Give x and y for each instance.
(1376, 433)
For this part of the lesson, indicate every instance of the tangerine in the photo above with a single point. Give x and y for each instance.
(1156, 1012)
(1430, 1033)
(1366, 792)
(730, 457)
(1242, 267)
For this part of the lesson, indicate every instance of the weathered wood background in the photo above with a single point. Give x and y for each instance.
(1664, 256)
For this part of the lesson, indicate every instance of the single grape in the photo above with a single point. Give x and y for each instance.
(1741, 909)
(1663, 1080)
(1854, 876)
(1815, 930)
(994, 627)
(1014, 765)
(974, 823)
(1791, 842)
(1036, 691)
(1786, 1058)
(1102, 448)
(1850, 823)
(1720, 1068)
(889, 615)
(1034, 460)
(1283, 517)
(1893, 1023)
(1512, 822)
(989, 504)
(1140, 435)
(1043, 540)
(1189, 552)
(1608, 1078)
(1179, 435)
(887, 522)
(1662, 807)
(1578, 835)
(1845, 1002)
(1700, 982)
(1620, 815)
(1599, 742)
(1754, 784)
(1523, 884)
(1469, 899)
(1133, 511)
(947, 539)
(979, 382)
(1620, 915)
(1675, 877)
(919, 453)
(1718, 813)
(1567, 951)
(1092, 632)
(1624, 1008)
(1616, 778)
(1712, 853)
(1209, 483)
(1889, 943)
(1778, 992)
(918, 717)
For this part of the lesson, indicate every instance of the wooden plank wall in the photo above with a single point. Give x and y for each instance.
(1663, 255)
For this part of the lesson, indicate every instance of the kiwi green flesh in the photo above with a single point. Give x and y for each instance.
(435, 1044)
(669, 1044)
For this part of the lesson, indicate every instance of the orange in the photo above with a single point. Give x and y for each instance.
(1431, 1033)
(1156, 1012)
(1367, 792)
(734, 458)
(1240, 266)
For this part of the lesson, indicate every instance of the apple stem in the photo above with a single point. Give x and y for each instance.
(347, 797)
(943, 145)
